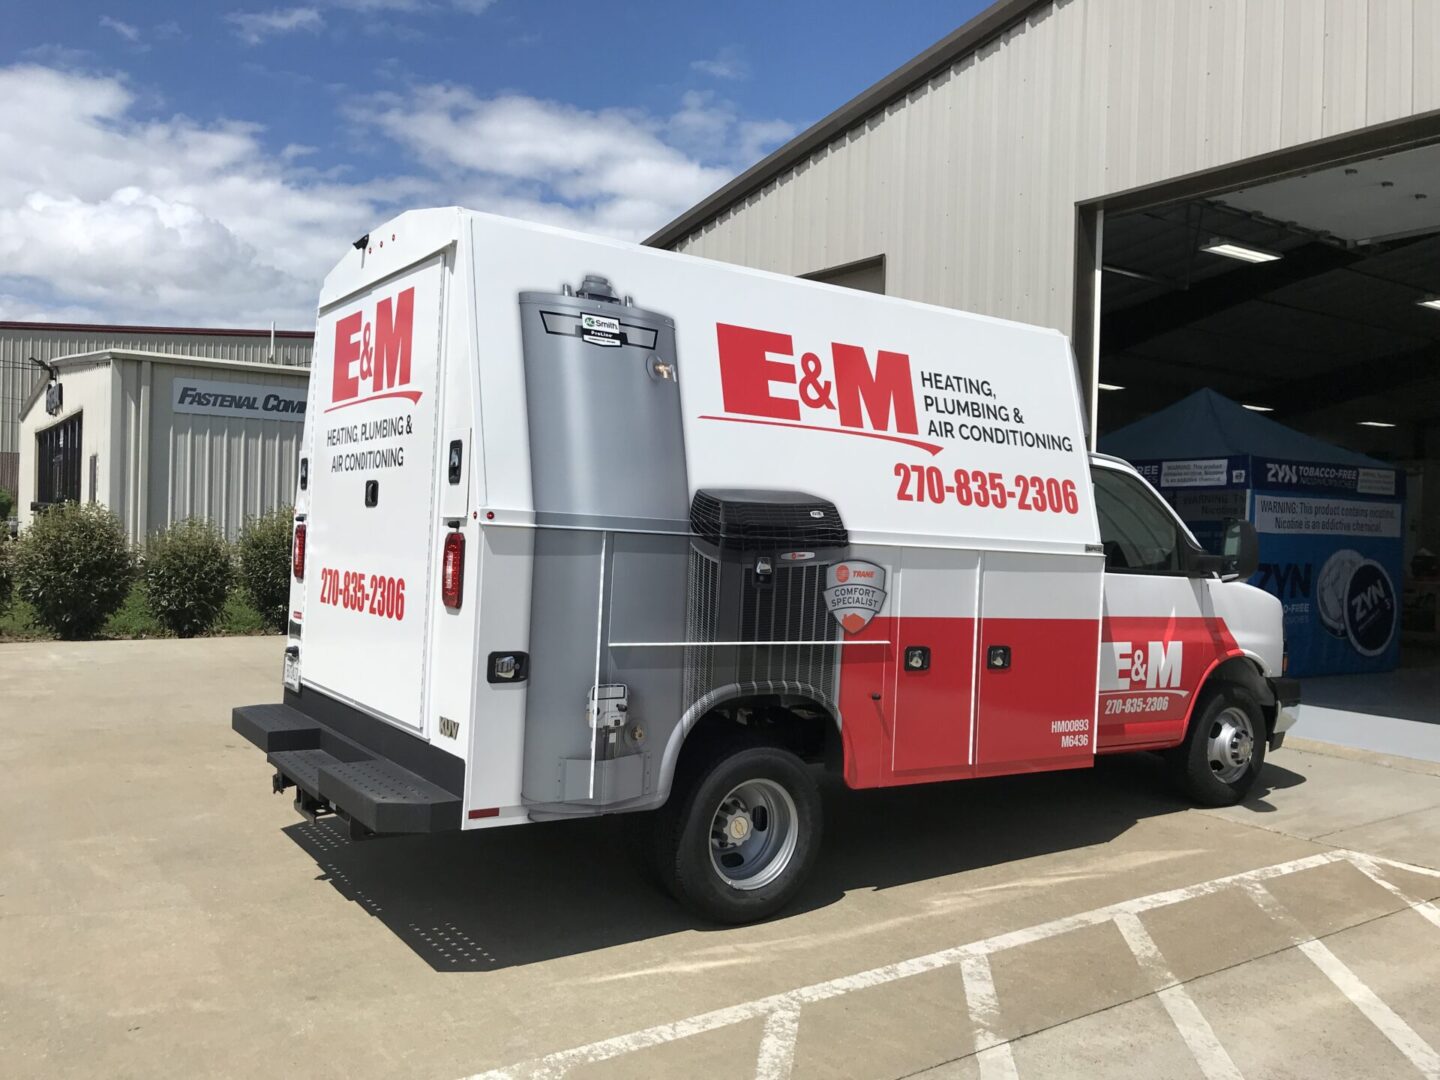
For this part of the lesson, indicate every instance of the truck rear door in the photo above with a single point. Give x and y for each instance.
(371, 557)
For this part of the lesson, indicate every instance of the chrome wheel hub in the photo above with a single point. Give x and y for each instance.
(1230, 747)
(753, 834)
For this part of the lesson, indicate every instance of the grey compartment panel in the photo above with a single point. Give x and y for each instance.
(615, 781)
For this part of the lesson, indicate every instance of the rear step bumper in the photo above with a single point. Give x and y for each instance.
(339, 773)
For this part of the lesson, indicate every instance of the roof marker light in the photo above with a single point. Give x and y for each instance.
(1259, 408)
(1375, 423)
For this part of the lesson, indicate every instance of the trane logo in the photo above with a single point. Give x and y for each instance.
(373, 351)
(850, 389)
(1154, 665)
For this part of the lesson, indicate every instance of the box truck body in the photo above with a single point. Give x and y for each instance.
(585, 527)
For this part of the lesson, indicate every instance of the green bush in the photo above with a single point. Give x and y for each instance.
(7, 505)
(7, 571)
(188, 572)
(74, 567)
(263, 552)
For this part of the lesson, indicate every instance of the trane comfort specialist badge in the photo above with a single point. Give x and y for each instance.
(855, 593)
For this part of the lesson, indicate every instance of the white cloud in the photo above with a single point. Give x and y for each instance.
(125, 30)
(62, 56)
(161, 220)
(465, 7)
(726, 64)
(134, 219)
(621, 172)
(253, 27)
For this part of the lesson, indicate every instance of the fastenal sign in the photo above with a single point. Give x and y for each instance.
(250, 401)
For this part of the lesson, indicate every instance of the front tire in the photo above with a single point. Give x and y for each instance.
(740, 833)
(1224, 749)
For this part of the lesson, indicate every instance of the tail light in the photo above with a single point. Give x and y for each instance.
(297, 553)
(452, 570)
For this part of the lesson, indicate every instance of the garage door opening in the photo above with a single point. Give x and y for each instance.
(1312, 300)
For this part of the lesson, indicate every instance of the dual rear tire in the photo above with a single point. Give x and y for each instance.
(739, 834)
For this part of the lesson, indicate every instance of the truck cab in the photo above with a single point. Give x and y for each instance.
(587, 528)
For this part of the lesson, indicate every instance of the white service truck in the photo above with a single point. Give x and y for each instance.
(584, 527)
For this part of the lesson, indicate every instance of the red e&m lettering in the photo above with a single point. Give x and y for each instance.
(746, 371)
(347, 351)
(392, 340)
(887, 387)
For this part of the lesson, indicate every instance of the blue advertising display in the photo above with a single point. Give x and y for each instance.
(1330, 523)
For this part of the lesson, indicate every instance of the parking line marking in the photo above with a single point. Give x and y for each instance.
(993, 1055)
(777, 1045)
(1205, 1047)
(1421, 1054)
(1371, 869)
(559, 1062)
(1404, 1038)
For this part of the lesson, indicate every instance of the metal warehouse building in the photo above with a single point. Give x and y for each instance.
(1242, 195)
(20, 341)
(1052, 160)
(159, 438)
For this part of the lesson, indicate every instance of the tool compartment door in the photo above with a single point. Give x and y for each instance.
(1037, 664)
(371, 529)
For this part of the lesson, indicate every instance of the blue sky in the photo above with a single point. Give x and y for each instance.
(206, 163)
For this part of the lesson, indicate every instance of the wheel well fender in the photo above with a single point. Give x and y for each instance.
(1243, 671)
(800, 713)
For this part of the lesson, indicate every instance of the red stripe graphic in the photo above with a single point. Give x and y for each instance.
(929, 448)
(412, 395)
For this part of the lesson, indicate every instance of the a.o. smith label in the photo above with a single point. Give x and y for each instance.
(600, 330)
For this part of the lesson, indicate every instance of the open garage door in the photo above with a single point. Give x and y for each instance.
(1313, 300)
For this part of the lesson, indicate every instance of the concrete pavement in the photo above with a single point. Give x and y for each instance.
(162, 914)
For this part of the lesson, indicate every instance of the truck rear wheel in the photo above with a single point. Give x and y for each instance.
(1224, 750)
(740, 834)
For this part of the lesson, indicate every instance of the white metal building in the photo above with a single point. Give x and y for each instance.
(20, 341)
(159, 438)
(1235, 194)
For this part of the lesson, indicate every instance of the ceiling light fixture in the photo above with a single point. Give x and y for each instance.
(1109, 386)
(1430, 302)
(1375, 423)
(1244, 252)
(1259, 408)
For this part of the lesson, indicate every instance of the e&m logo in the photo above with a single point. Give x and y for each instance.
(1154, 665)
(844, 393)
(373, 351)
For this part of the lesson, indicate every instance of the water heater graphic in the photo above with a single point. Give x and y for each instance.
(603, 396)
(612, 500)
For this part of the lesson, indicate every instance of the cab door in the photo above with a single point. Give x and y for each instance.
(1160, 635)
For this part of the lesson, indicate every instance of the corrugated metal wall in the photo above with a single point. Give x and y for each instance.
(18, 375)
(968, 184)
(221, 468)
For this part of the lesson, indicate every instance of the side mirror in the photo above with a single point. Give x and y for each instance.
(1242, 550)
